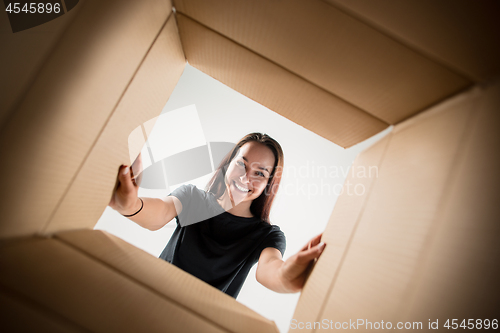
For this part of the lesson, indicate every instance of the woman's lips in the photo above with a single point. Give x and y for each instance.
(241, 188)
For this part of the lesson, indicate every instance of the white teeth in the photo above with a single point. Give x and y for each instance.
(241, 188)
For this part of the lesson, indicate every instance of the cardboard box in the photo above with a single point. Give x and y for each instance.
(420, 244)
(88, 280)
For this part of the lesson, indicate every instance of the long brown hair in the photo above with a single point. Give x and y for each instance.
(261, 206)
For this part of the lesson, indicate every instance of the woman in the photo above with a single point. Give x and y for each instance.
(223, 231)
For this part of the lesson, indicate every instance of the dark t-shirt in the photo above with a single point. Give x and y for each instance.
(214, 245)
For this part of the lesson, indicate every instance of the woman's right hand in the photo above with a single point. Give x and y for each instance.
(125, 199)
(155, 212)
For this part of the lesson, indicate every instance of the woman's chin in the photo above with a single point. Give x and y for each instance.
(237, 196)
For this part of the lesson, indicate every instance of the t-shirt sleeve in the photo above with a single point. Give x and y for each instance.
(194, 205)
(276, 238)
(184, 193)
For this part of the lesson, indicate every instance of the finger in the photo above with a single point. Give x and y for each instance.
(115, 188)
(138, 179)
(304, 257)
(137, 166)
(137, 170)
(132, 176)
(126, 179)
(117, 182)
(306, 247)
(316, 240)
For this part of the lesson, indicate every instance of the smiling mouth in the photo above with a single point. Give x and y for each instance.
(242, 189)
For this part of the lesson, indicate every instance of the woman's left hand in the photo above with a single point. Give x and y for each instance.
(294, 271)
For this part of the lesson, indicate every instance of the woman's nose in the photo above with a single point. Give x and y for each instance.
(244, 178)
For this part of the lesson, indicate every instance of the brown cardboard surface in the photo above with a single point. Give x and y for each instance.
(275, 87)
(463, 35)
(144, 98)
(91, 294)
(183, 289)
(21, 315)
(22, 55)
(425, 243)
(458, 274)
(339, 232)
(420, 243)
(45, 142)
(399, 217)
(332, 50)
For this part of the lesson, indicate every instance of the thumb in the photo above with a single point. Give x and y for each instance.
(305, 256)
(126, 179)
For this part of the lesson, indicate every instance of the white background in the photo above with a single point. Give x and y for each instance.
(315, 169)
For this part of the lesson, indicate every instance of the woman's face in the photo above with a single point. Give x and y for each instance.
(249, 171)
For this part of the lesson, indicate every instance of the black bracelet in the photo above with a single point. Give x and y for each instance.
(142, 205)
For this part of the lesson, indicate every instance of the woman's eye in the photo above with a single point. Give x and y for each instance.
(240, 163)
(260, 174)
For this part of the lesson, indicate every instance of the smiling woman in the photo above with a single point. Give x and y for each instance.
(252, 167)
(223, 231)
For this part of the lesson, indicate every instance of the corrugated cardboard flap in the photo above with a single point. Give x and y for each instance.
(421, 242)
(204, 300)
(94, 281)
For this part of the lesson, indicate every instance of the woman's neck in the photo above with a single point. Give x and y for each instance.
(242, 209)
